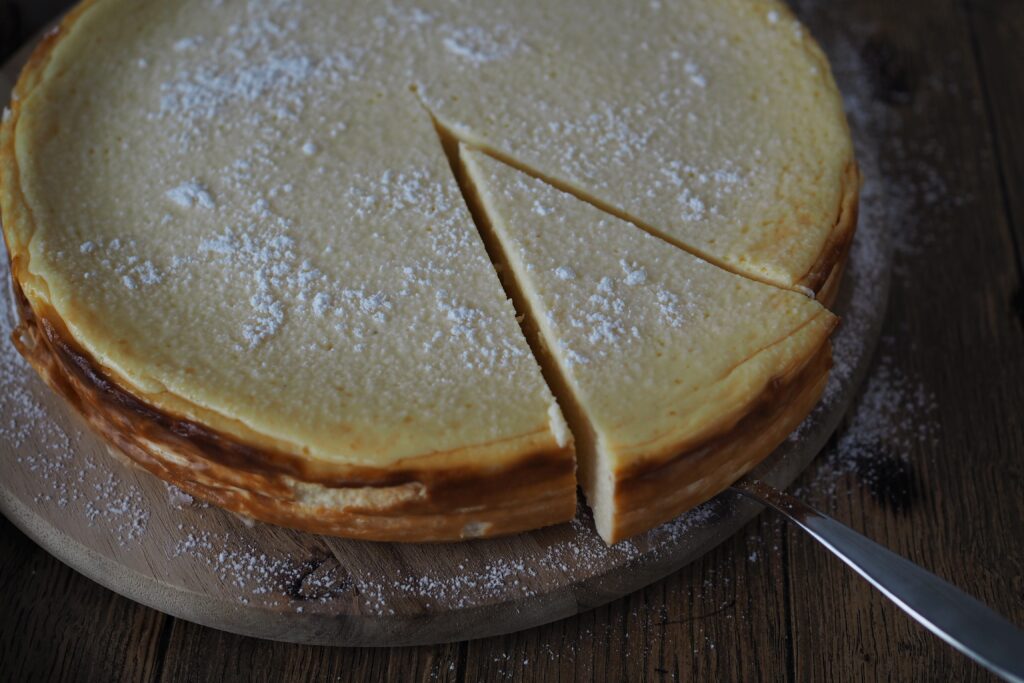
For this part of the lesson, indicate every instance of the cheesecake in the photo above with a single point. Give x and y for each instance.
(677, 376)
(241, 241)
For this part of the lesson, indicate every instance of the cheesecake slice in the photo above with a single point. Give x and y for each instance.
(676, 376)
(258, 278)
(716, 124)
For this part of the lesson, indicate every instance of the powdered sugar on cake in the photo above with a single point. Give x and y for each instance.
(259, 77)
(895, 403)
(190, 194)
(478, 45)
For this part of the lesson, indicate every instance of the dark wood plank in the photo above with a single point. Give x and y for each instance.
(21, 19)
(57, 625)
(721, 618)
(952, 328)
(196, 653)
(951, 78)
(997, 34)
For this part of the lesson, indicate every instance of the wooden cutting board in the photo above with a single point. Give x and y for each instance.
(130, 532)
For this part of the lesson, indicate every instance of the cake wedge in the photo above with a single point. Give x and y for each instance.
(676, 376)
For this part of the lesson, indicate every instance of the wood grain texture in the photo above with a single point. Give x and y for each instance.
(953, 326)
(947, 73)
(996, 34)
(86, 633)
(131, 533)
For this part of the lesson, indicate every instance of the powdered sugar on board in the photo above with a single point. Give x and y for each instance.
(63, 478)
(895, 411)
(300, 573)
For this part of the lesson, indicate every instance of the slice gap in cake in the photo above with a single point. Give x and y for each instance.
(571, 414)
(676, 376)
(450, 138)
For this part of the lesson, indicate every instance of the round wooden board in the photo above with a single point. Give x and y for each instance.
(133, 534)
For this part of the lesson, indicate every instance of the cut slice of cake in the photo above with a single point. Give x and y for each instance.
(677, 377)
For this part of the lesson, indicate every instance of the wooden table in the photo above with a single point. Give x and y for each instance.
(931, 463)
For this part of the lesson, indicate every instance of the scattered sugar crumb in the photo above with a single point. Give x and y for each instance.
(177, 498)
(478, 45)
(190, 194)
(186, 44)
(565, 273)
(693, 71)
(540, 209)
(635, 275)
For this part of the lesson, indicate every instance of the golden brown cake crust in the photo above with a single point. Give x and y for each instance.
(652, 493)
(403, 505)
(824, 277)
(414, 503)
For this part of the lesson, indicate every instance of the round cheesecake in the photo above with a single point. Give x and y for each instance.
(395, 271)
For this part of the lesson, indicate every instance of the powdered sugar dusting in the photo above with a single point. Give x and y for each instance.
(64, 480)
(190, 194)
(894, 415)
(259, 60)
(272, 578)
(118, 508)
(123, 259)
(479, 45)
(895, 406)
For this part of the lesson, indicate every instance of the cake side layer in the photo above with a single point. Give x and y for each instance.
(387, 505)
(700, 473)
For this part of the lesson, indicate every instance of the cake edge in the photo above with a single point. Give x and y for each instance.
(825, 276)
(385, 504)
(655, 492)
